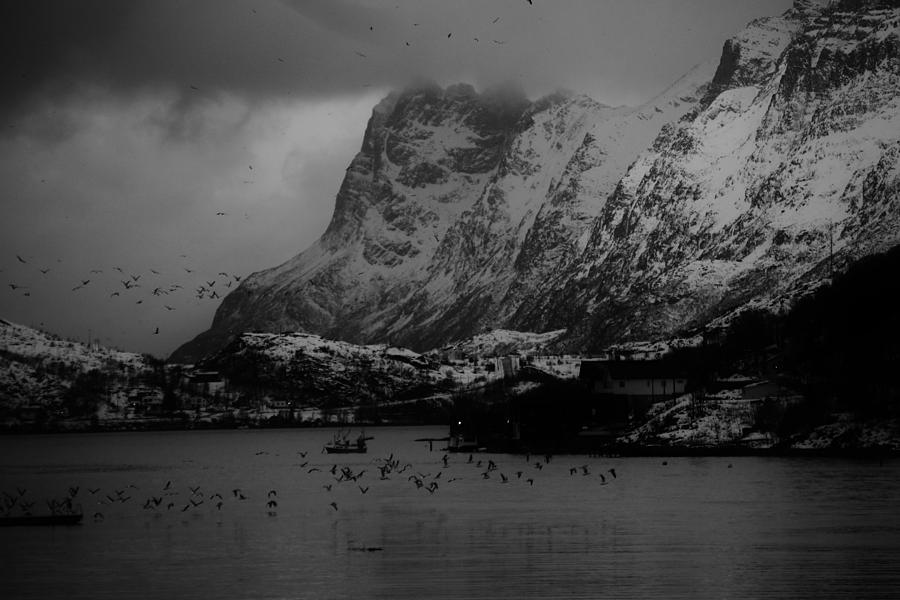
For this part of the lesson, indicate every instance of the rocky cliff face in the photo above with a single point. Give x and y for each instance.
(790, 158)
(465, 211)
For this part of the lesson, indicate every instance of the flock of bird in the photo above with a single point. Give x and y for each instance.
(407, 43)
(334, 479)
(143, 287)
(360, 54)
(152, 284)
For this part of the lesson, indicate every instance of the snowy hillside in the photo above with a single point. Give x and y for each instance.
(793, 152)
(314, 371)
(464, 211)
(38, 368)
(502, 342)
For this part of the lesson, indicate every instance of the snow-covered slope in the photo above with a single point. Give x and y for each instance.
(329, 373)
(456, 207)
(465, 211)
(37, 368)
(793, 153)
(502, 342)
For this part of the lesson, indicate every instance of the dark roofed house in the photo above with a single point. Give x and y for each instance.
(639, 383)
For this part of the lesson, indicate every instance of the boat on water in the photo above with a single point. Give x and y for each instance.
(32, 520)
(342, 444)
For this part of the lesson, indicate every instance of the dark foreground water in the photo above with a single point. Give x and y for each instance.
(694, 528)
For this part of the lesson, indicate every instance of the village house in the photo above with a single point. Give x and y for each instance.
(206, 382)
(634, 385)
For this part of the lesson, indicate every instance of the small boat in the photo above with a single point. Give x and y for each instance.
(341, 444)
(58, 519)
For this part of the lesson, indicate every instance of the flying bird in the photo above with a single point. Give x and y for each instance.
(21, 260)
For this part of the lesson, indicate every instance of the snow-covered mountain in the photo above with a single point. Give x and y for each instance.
(464, 212)
(791, 154)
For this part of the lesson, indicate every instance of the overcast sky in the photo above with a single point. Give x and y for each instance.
(127, 127)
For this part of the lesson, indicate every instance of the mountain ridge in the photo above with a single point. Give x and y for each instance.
(464, 211)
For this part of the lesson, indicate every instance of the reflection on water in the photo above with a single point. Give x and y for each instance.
(696, 527)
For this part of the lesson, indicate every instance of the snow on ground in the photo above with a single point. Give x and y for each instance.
(724, 419)
(685, 421)
(38, 368)
(31, 343)
(499, 342)
(849, 434)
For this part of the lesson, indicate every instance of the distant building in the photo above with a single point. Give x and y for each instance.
(206, 382)
(509, 366)
(735, 381)
(637, 383)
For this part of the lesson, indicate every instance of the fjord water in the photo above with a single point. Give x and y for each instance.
(692, 528)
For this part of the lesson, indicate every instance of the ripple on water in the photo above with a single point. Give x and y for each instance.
(692, 529)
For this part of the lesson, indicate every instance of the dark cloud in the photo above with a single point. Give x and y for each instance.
(48, 47)
(310, 48)
(127, 126)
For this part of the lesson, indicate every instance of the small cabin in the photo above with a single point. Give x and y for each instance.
(640, 383)
(208, 382)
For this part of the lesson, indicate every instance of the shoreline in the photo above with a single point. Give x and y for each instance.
(610, 450)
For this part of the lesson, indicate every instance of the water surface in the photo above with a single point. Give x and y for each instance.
(693, 528)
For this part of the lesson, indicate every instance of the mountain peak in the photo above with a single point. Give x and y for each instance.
(466, 211)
